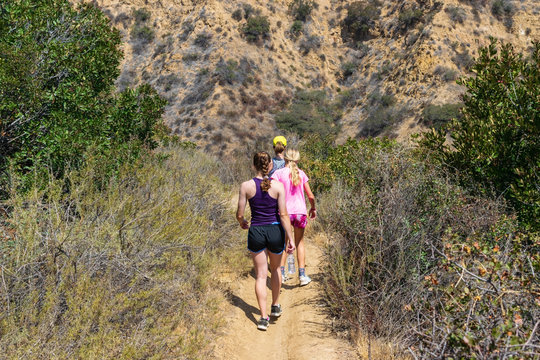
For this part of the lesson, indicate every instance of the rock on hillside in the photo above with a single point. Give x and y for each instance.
(225, 84)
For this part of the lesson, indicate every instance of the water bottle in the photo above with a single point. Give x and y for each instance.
(290, 264)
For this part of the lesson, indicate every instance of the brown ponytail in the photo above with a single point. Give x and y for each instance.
(279, 147)
(261, 161)
(292, 156)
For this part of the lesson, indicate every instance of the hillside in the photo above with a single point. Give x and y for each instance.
(224, 90)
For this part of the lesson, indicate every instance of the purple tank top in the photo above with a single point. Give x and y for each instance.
(264, 208)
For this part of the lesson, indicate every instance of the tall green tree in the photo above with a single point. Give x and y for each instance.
(58, 65)
(497, 142)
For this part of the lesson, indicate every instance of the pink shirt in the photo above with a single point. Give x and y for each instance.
(294, 195)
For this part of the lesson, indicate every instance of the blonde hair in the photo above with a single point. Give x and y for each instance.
(292, 156)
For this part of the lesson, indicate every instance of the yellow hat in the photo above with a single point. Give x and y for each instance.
(280, 139)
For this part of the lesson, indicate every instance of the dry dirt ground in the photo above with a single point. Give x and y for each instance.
(302, 331)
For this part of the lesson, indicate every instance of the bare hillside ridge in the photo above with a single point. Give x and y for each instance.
(224, 90)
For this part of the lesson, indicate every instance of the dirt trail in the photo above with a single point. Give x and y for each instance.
(302, 331)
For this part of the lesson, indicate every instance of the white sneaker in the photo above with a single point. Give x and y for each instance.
(304, 280)
(284, 277)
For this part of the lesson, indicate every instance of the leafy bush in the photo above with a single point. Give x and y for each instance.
(480, 299)
(416, 259)
(231, 71)
(497, 143)
(142, 33)
(125, 272)
(436, 116)
(347, 69)
(141, 15)
(257, 27)
(360, 19)
(409, 17)
(57, 71)
(226, 71)
(296, 28)
(310, 112)
(203, 40)
(301, 9)
(502, 8)
(237, 14)
(380, 119)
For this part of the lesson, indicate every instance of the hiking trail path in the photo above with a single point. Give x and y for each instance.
(301, 332)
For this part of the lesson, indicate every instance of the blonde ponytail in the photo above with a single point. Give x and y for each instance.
(292, 156)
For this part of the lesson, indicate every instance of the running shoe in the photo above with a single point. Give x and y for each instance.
(284, 277)
(263, 323)
(304, 280)
(276, 310)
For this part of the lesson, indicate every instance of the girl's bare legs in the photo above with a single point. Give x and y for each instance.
(300, 249)
(275, 262)
(261, 272)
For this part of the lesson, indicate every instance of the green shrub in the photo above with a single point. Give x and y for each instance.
(497, 142)
(143, 34)
(436, 116)
(480, 298)
(296, 28)
(226, 71)
(361, 18)
(301, 9)
(409, 17)
(124, 272)
(57, 71)
(310, 112)
(257, 27)
(203, 40)
(502, 8)
(348, 69)
(237, 14)
(416, 259)
(141, 15)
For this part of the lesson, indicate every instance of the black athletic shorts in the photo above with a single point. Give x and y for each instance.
(271, 237)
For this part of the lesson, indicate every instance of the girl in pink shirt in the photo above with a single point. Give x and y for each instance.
(296, 185)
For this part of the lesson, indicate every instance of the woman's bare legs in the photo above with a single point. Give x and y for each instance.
(275, 262)
(261, 272)
(300, 249)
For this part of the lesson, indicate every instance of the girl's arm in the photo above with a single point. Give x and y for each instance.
(242, 199)
(311, 198)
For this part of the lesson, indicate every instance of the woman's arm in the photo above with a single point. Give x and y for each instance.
(311, 198)
(284, 215)
(242, 199)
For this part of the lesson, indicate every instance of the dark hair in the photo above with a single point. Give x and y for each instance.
(261, 161)
(279, 147)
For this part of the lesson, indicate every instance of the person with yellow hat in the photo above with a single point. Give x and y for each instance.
(278, 161)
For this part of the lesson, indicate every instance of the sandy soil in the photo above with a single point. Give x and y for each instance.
(302, 331)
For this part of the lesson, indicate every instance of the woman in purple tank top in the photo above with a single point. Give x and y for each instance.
(270, 223)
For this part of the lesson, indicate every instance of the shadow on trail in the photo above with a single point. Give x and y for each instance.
(249, 310)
